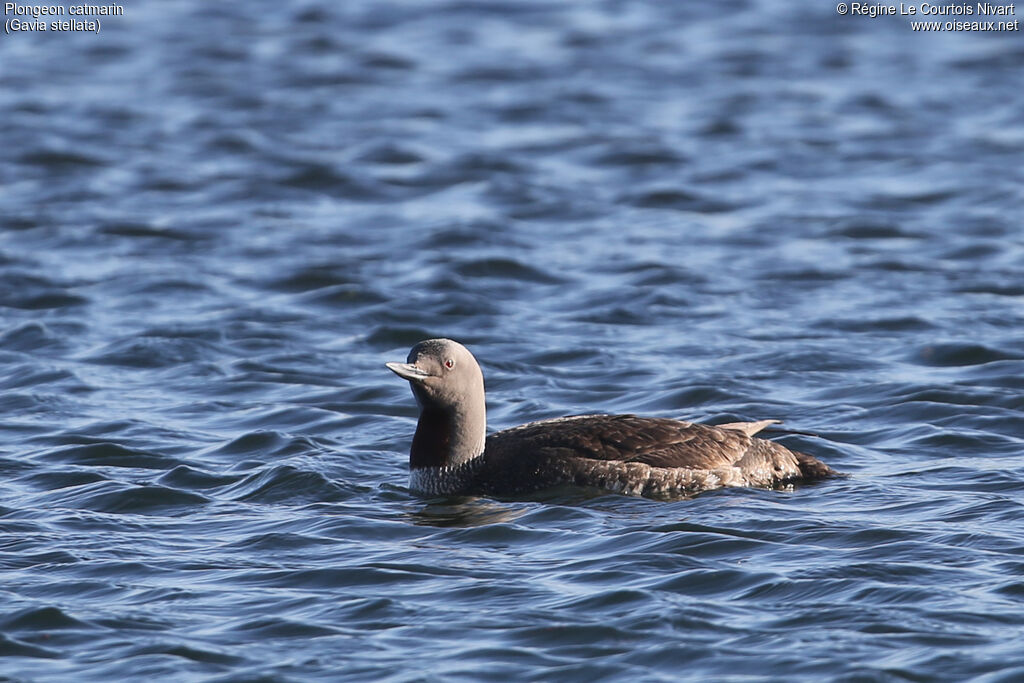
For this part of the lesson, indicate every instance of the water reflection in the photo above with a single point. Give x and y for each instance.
(466, 512)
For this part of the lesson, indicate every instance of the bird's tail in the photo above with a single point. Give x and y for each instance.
(748, 428)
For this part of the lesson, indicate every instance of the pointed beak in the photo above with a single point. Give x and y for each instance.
(408, 371)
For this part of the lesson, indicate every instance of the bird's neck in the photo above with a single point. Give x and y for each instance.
(447, 439)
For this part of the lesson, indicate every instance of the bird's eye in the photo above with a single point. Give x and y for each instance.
(450, 363)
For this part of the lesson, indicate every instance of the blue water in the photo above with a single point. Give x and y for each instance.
(219, 220)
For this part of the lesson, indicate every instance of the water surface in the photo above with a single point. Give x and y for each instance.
(219, 221)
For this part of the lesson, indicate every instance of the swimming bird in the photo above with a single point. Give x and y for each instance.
(656, 457)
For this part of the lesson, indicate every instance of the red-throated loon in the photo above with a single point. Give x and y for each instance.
(657, 457)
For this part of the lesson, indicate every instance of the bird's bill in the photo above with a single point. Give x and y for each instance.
(408, 371)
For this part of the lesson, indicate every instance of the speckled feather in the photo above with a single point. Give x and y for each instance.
(658, 442)
(638, 456)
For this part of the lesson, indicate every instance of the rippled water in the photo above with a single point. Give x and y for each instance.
(220, 220)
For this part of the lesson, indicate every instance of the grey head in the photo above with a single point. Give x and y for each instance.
(449, 388)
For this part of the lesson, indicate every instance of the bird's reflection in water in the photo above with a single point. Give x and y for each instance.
(466, 512)
(471, 511)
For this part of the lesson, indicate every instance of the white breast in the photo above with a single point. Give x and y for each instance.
(444, 481)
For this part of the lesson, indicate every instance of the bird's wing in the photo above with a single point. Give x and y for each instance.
(658, 442)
